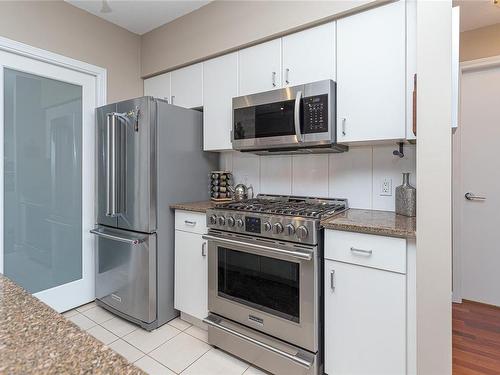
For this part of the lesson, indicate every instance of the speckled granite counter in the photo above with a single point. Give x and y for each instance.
(195, 206)
(383, 223)
(34, 339)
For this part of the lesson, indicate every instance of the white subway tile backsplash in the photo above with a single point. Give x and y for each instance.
(310, 175)
(351, 176)
(355, 175)
(386, 165)
(276, 174)
(226, 161)
(246, 170)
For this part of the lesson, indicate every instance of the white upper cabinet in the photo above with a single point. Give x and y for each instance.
(371, 77)
(186, 86)
(309, 55)
(220, 85)
(158, 86)
(260, 67)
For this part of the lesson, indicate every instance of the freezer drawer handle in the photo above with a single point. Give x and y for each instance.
(296, 359)
(132, 241)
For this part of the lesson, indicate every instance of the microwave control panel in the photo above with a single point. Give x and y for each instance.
(315, 114)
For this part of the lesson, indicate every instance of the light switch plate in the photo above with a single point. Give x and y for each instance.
(386, 187)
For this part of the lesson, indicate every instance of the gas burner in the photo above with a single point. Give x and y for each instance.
(290, 206)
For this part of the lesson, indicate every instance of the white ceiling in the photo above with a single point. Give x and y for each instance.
(477, 13)
(139, 16)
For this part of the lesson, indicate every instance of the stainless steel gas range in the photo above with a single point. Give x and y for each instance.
(265, 262)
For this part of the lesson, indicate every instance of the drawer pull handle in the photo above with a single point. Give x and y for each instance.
(361, 251)
(332, 280)
(192, 223)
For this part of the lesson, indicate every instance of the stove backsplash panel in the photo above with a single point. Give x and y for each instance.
(357, 174)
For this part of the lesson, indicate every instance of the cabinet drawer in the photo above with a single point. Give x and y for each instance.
(188, 221)
(387, 253)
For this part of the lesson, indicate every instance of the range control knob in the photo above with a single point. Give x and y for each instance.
(230, 221)
(267, 226)
(302, 232)
(213, 219)
(290, 230)
(222, 220)
(277, 228)
(239, 223)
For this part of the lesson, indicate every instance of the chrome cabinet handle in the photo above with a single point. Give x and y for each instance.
(188, 222)
(204, 249)
(472, 197)
(131, 241)
(296, 117)
(361, 251)
(343, 125)
(332, 280)
(274, 79)
(287, 73)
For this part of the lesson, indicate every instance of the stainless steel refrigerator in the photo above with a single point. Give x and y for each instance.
(150, 155)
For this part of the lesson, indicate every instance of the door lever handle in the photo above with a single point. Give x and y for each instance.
(472, 197)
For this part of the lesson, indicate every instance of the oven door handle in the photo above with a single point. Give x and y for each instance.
(294, 358)
(291, 253)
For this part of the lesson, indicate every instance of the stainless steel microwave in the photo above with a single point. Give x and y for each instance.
(298, 119)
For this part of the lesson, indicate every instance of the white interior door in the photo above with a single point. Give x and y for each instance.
(479, 169)
(47, 141)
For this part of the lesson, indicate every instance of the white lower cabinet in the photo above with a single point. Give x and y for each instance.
(191, 273)
(365, 315)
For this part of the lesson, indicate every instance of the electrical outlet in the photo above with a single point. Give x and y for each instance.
(386, 187)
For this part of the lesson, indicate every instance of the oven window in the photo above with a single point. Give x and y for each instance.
(266, 120)
(268, 284)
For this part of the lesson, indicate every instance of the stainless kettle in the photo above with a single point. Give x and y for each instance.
(240, 192)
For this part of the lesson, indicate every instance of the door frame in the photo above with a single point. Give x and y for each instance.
(37, 54)
(457, 199)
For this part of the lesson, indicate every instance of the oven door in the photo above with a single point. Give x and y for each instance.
(294, 117)
(269, 286)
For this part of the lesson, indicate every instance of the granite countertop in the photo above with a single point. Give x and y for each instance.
(34, 339)
(383, 223)
(195, 206)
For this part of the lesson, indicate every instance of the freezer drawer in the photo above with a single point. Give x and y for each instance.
(126, 272)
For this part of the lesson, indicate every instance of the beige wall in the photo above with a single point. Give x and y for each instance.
(223, 26)
(67, 30)
(479, 43)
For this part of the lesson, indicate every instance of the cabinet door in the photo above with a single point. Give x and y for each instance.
(158, 86)
(365, 320)
(371, 76)
(186, 86)
(191, 282)
(220, 85)
(260, 67)
(309, 55)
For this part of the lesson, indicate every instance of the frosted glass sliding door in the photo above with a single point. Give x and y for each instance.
(47, 139)
(43, 181)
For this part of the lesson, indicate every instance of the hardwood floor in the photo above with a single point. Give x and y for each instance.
(476, 339)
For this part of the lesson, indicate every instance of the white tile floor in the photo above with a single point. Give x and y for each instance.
(175, 348)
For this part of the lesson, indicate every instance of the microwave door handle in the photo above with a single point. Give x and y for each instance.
(298, 134)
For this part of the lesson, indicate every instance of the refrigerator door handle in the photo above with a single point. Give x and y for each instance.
(111, 196)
